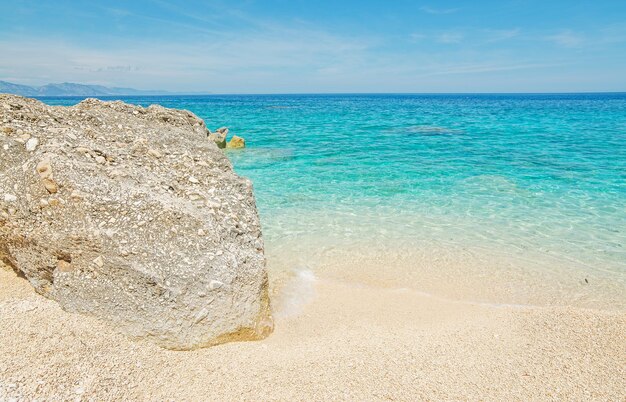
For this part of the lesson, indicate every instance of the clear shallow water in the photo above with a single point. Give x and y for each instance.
(528, 174)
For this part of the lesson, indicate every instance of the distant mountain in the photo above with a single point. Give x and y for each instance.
(10, 88)
(70, 89)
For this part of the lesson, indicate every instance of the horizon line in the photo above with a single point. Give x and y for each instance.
(326, 93)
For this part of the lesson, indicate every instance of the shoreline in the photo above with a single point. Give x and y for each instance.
(343, 341)
(471, 274)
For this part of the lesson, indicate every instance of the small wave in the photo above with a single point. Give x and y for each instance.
(297, 293)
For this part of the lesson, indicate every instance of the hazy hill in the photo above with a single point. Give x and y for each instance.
(70, 89)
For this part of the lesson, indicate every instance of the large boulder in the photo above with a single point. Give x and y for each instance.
(133, 215)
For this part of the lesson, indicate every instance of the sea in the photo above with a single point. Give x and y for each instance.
(498, 198)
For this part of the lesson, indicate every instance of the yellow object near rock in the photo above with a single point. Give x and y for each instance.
(236, 142)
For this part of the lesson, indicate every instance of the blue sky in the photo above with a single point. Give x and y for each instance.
(281, 46)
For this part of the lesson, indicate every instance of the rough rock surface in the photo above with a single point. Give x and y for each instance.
(133, 215)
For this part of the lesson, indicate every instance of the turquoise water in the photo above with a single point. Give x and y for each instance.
(541, 174)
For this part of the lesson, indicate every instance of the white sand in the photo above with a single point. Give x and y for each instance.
(333, 340)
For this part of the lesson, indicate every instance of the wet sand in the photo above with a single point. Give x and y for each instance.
(334, 340)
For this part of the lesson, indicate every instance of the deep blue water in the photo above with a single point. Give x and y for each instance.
(541, 173)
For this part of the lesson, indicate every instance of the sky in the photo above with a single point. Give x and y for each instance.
(317, 46)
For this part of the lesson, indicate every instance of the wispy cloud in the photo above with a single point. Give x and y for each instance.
(475, 37)
(488, 68)
(431, 10)
(450, 37)
(117, 12)
(497, 35)
(106, 68)
(613, 34)
(203, 65)
(567, 38)
(220, 47)
(415, 37)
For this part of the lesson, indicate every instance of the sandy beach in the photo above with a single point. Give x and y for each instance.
(341, 340)
(312, 201)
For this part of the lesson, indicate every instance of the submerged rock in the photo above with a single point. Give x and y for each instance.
(102, 216)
